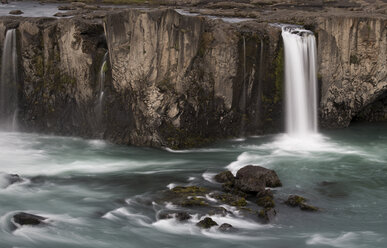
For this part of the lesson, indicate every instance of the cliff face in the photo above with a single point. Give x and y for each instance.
(352, 60)
(187, 80)
(182, 81)
(59, 60)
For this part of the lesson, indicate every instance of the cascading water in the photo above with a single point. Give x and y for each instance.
(9, 79)
(102, 78)
(300, 81)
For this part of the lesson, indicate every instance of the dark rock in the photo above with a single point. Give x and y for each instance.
(254, 179)
(225, 227)
(294, 200)
(266, 202)
(267, 214)
(183, 216)
(16, 12)
(267, 192)
(180, 216)
(28, 219)
(14, 178)
(193, 202)
(218, 211)
(206, 223)
(66, 7)
(298, 201)
(225, 177)
(189, 190)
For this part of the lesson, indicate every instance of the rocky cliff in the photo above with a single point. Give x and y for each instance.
(186, 80)
(352, 60)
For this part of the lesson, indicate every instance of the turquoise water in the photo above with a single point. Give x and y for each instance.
(96, 194)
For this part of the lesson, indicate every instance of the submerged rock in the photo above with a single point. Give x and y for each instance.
(180, 216)
(206, 223)
(225, 227)
(28, 219)
(254, 179)
(298, 201)
(9, 179)
(267, 214)
(16, 12)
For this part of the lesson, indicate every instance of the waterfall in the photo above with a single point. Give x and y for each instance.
(300, 81)
(9, 79)
(102, 77)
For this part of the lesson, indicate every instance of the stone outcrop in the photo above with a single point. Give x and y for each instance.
(352, 61)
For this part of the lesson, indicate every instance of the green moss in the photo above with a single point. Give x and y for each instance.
(230, 199)
(266, 202)
(353, 59)
(307, 207)
(194, 202)
(279, 75)
(189, 190)
(39, 65)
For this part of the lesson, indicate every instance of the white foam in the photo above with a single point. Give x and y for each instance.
(209, 176)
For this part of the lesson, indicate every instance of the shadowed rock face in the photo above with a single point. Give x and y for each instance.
(184, 81)
(352, 60)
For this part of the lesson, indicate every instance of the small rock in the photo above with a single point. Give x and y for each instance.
(294, 200)
(206, 223)
(16, 12)
(267, 214)
(193, 202)
(183, 216)
(28, 219)
(266, 202)
(225, 227)
(298, 201)
(225, 177)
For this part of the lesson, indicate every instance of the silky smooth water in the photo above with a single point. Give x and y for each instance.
(95, 194)
(8, 83)
(300, 81)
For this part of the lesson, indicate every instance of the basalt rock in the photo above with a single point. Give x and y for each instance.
(254, 179)
(225, 177)
(267, 214)
(225, 227)
(28, 219)
(298, 201)
(206, 223)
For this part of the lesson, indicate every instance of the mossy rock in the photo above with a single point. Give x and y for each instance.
(231, 199)
(194, 202)
(225, 177)
(206, 223)
(298, 201)
(267, 214)
(266, 202)
(189, 190)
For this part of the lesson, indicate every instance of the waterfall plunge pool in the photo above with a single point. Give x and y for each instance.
(96, 194)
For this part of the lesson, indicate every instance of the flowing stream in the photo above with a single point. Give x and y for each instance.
(95, 194)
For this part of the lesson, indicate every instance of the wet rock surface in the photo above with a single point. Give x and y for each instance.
(225, 227)
(28, 219)
(298, 201)
(206, 223)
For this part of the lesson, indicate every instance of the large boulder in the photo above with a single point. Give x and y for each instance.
(254, 179)
(28, 219)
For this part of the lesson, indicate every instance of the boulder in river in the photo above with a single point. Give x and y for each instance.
(225, 177)
(267, 214)
(225, 227)
(28, 219)
(206, 223)
(254, 179)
